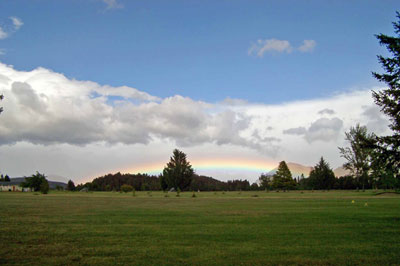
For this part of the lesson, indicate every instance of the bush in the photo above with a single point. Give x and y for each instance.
(44, 187)
(126, 188)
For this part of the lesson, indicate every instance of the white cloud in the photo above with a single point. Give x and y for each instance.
(17, 22)
(113, 4)
(45, 107)
(326, 111)
(279, 46)
(58, 116)
(3, 34)
(271, 45)
(307, 46)
(126, 92)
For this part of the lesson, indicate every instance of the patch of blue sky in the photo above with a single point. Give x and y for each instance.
(117, 100)
(200, 49)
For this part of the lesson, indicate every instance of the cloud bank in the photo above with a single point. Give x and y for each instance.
(46, 109)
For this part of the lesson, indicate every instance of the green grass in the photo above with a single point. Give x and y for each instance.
(247, 228)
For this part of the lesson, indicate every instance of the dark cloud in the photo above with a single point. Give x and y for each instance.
(376, 121)
(323, 129)
(27, 97)
(295, 131)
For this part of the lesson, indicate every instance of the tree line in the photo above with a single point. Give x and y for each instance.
(145, 182)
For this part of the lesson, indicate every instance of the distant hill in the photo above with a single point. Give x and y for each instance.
(57, 178)
(19, 180)
(298, 169)
(340, 171)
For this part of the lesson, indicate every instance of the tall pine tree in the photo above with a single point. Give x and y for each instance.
(178, 173)
(322, 176)
(282, 179)
(388, 147)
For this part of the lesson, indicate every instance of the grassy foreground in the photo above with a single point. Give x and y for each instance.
(247, 228)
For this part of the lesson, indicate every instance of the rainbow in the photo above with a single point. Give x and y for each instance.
(235, 164)
(231, 164)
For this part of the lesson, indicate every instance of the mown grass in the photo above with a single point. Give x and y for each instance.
(231, 228)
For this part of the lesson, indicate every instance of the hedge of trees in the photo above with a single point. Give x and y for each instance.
(145, 182)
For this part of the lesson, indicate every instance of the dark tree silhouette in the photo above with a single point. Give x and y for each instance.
(388, 147)
(178, 173)
(71, 185)
(282, 179)
(322, 176)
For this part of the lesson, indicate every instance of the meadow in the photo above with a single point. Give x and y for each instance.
(213, 228)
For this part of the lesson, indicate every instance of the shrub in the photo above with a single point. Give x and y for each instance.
(126, 188)
(44, 187)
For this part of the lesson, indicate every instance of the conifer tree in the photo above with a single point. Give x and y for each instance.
(388, 147)
(282, 179)
(70, 185)
(178, 173)
(322, 176)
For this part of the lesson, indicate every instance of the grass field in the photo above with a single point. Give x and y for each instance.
(234, 228)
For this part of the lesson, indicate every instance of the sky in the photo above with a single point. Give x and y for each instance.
(99, 86)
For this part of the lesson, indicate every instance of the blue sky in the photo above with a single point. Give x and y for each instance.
(200, 49)
(98, 86)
